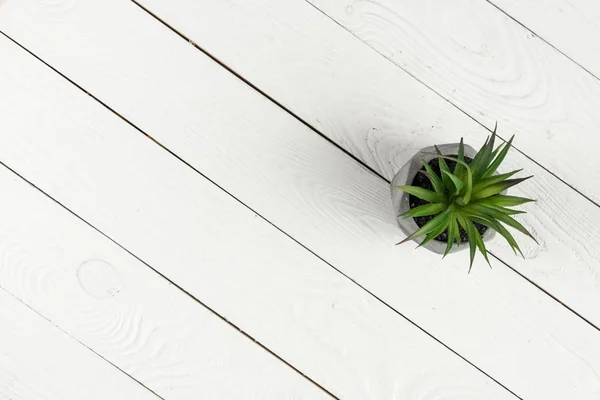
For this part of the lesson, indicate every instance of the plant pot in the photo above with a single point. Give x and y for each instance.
(400, 199)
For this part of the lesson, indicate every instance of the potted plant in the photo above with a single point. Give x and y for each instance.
(452, 198)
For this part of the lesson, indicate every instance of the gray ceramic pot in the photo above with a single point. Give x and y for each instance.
(400, 201)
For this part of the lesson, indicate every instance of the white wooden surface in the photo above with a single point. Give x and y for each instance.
(38, 361)
(493, 69)
(338, 69)
(217, 250)
(119, 308)
(228, 257)
(571, 26)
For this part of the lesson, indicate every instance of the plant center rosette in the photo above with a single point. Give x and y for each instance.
(451, 197)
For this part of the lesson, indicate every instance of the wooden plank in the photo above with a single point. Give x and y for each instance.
(207, 242)
(38, 361)
(341, 211)
(389, 117)
(571, 26)
(119, 308)
(384, 117)
(494, 70)
(299, 182)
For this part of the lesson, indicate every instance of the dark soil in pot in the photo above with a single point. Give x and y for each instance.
(422, 181)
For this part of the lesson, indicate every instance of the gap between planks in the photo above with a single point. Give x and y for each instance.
(171, 153)
(357, 166)
(58, 327)
(448, 100)
(42, 361)
(545, 41)
(202, 304)
(314, 130)
(337, 146)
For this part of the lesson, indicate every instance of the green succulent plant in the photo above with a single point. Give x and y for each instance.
(471, 193)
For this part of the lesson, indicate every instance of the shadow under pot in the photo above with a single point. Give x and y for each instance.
(402, 201)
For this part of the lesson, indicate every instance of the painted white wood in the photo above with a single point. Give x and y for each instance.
(39, 362)
(204, 240)
(572, 26)
(116, 306)
(366, 104)
(493, 69)
(282, 169)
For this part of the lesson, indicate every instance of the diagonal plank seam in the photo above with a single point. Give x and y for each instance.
(65, 332)
(156, 271)
(362, 163)
(445, 99)
(263, 93)
(542, 39)
(249, 208)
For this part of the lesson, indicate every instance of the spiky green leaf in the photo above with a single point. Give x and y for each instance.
(421, 193)
(482, 184)
(435, 180)
(508, 220)
(467, 181)
(498, 227)
(456, 182)
(436, 232)
(501, 217)
(498, 188)
(485, 158)
(451, 234)
(508, 201)
(477, 160)
(489, 203)
(495, 152)
(459, 169)
(498, 160)
(480, 244)
(457, 238)
(424, 210)
(468, 227)
(444, 170)
(430, 226)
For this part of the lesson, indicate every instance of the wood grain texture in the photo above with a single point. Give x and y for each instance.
(210, 244)
(375, 111)
(287, 173)
(572, 26)
(40, 362)
(495, 70)
(119, 308)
